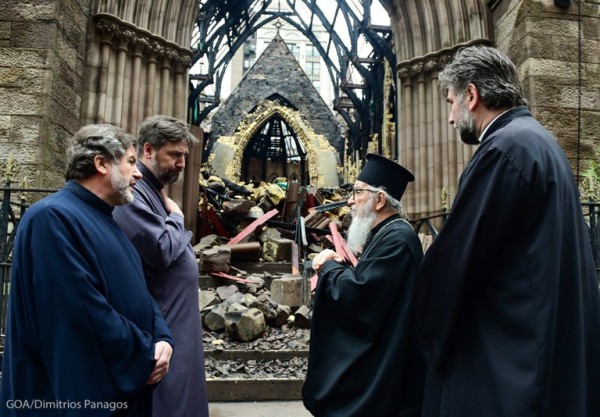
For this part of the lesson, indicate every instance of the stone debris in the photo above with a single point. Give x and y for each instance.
(243, 316)
(284, 338)
(227, 208)
(289, 290)
(259, 263)
(244, 323)
(294, 368)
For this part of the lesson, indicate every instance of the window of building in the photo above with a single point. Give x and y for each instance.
(295, 50)
(313, 70)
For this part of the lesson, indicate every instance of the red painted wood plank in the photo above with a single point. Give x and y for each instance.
(223, 275)
(250, 228)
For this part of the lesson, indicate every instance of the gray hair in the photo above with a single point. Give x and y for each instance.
(390, 202)
(106, 140)
(492, 72)
(158, 130)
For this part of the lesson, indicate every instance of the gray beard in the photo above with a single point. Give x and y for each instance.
(120, 187)
(359, 229)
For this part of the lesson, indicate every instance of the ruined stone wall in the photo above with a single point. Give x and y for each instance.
(273, 75)
(557, 53)
(42, 48)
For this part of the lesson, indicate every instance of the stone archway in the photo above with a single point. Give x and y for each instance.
(228, 152)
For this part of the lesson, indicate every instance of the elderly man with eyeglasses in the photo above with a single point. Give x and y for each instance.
(363, 358)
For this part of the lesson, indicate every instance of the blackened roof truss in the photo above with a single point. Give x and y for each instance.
(224, 25)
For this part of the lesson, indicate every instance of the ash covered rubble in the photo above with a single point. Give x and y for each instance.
(254, 259)
(255, 276)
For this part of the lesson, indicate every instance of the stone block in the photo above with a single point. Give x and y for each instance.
(25, 58)
(225, 292)
(282, 314)
(5, 30)
(268, 308)
(11, 77)
(68, 52)
(288, 290)
(207, 299)
(235, 298)
(303, 317)
(217, 259)
(238, 206)
(28, 10)
(4, 128)
(269, 233)
(64, 95)
(214, 320)
(277, 249)
(34, 35)
(206, 242)
(21, 104)
(245, 325)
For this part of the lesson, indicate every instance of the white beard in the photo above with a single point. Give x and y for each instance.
(362, 222)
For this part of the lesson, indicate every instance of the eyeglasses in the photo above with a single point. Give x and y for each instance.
(357, 191)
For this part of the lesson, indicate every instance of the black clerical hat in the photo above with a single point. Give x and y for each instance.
(382, 172)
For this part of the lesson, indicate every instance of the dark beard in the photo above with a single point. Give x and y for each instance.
(466, 128)
(468, 136)
(168, 177)
(163, 176)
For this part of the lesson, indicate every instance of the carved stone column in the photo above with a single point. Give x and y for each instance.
(123, 37)
(137, 87)
(153, 51)
(165, 82)
(107, 31)
(180, 87)
(434, 154)
(139, 45)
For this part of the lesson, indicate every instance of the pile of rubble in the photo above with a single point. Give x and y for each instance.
(255, 251)
(245, 316)
(226, 209)
(292, 368)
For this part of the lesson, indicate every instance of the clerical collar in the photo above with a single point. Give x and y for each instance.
(392, 219)
(148, 175)
(490, 123)
(88, 196)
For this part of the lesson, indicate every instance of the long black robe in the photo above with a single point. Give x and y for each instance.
(507, 298)
(81, 323)
(364, 358)
(171, 272)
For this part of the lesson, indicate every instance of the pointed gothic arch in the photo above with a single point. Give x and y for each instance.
(321, 158)
(274, 149)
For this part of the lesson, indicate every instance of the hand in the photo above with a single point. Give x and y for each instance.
(323, 257)
(171, 206)
(162, 355)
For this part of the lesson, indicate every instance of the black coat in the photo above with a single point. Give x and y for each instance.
(507, 298)
(364, 358)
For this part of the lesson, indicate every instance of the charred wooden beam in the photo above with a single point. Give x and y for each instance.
(329, 206)
(292, 226)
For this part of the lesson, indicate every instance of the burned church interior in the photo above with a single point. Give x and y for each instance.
(286, 98)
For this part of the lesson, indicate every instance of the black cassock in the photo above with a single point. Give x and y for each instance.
(81, 324)
(507, 297)
(364, 359)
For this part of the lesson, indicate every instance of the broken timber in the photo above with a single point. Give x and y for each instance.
(250, 228)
